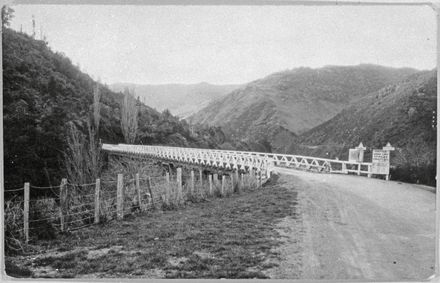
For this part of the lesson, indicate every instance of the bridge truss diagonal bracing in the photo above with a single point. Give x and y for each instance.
(240, 160)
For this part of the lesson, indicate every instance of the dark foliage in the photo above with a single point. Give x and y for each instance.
(288, 103)
(401, 114)
(43, 91)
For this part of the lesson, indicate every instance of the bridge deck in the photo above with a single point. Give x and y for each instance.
(240, 160)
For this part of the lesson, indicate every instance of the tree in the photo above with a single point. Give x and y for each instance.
(96, 107)
(83, 155)
(7, 15)
(129, 117)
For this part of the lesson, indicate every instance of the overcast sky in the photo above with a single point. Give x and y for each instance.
(230, 44)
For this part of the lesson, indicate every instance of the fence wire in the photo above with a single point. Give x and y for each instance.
(78, 201)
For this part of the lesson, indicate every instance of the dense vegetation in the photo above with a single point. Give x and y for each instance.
(333, 109)
(274, 109)
(401, 114)
(43, 92)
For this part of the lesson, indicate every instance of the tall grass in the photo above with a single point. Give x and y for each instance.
(79, 209)
(13, 219)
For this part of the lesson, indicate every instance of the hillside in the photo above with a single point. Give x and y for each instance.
(294, 100)
(400, 113)
(182, 100)
(43, 91)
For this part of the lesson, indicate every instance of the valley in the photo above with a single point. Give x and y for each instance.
(219, 142)
(180, 99)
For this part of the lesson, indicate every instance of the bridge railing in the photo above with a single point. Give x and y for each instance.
(206, 157)
(242, 160)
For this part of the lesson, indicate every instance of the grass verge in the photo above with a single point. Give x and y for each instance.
(221, 238)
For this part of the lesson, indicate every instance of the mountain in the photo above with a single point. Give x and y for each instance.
(182, 100)
(402, 114)
(278, 107)
(43, 92)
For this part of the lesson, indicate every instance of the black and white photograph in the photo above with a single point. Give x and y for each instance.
(248, 140)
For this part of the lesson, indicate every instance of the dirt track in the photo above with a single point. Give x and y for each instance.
(354, 227)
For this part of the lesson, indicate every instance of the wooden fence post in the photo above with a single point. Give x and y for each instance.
(97, 189)
(138, 190)
(222, 192)
(259, 177)
(26, 211)
(237, 181)
(179, 184)
(201, 178)
(150, 192)
(252, 178)
(232, 187)
(120, 198)
(216, 181)
(192, 183)
(359, 169)
(167, 188)
(62, 202)
(201, 181)
(210, 184)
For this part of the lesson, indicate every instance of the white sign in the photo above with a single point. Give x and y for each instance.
(380, 162)
(353, 155)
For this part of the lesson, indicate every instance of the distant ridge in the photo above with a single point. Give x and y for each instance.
(182, 100)
(294, 101)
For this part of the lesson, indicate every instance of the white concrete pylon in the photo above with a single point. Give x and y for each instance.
(388, 147)
(361, 146)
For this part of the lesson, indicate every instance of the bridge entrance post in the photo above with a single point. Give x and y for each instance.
(344, 168)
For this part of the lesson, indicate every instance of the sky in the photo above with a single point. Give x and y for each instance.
(229, 44)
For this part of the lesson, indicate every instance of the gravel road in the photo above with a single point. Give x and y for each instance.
(352, 227)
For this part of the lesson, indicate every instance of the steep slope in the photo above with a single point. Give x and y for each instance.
(43, 91)
(295, 100)
(182, 100)
(401, 114)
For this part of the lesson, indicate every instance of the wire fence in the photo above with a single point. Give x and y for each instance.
(75, 206)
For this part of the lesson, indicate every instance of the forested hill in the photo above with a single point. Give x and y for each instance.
(294, 100)
(401, 113)
(43, 92)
